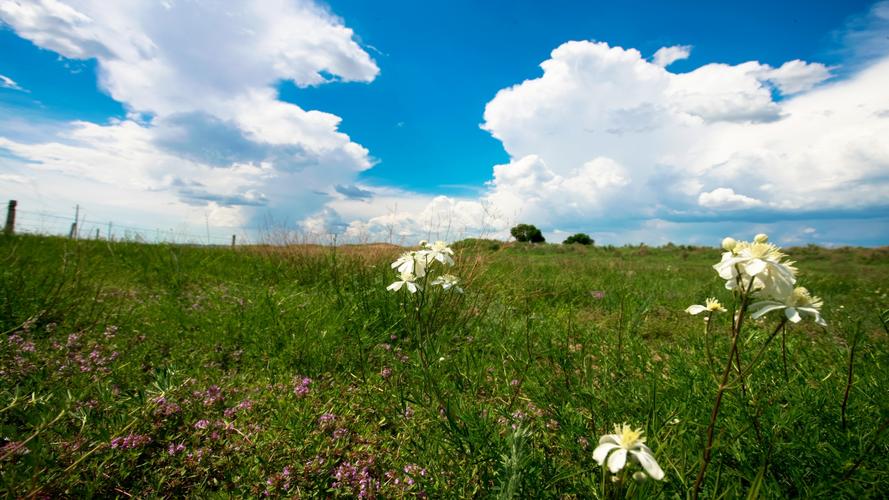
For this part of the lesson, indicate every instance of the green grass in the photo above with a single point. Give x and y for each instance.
(209, 348)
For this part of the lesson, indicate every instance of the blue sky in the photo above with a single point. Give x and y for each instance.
(414, 88)
(442, 62)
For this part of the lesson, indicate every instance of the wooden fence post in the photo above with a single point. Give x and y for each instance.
(73, 234)
(233, 241)
(10, 218)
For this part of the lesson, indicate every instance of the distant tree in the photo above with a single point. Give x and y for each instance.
(579, 238)
(527, 232)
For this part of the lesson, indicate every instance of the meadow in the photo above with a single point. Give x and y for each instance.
(134, 370)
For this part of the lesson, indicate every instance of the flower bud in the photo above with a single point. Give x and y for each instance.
(761, 238)
(639, 476)
(729, 243)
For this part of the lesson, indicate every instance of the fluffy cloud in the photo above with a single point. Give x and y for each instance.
(797, 76)
(205, 125)
(688, 139)
(726, 198)
(610, 143)
(666, 56)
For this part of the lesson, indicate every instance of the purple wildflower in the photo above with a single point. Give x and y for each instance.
(212, 395)
(175, 448)
(130, 441)
(303, 387)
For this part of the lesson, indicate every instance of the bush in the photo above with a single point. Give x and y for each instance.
(527, 232)
(579, 238)
(477, 244)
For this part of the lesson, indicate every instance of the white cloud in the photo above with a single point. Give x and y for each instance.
(606, 142)
(666, 56)
(203, 72)
(8, 83)
(797, 76)
(726, 198)
(865, 37)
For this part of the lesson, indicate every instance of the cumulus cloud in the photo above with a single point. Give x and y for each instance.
(666, 56)
(701, 132)
(608, 142)
(726, 198)
(796, 76)
(203, 74)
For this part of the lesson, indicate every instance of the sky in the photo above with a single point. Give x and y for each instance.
(648, 122)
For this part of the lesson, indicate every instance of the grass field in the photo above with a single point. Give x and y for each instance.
(155, 370)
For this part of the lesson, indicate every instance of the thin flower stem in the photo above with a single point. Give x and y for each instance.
(708, 448)
(736, 333)
(707, 341)
(850, 373)
(784, 351)
(762, 349)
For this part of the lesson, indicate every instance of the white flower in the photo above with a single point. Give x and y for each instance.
(447, 281)
(710, 304)
(760, 262)
(797, 304)
(626, 440)
(407, 280)
(439, 251)
(410, 262)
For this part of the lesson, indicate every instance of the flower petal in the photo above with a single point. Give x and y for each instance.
(617, 460)
(792, 315)
(726, 266)
(610, 438)
(395, 286)
(602, 451)
(811, 311)
(755, 267)
(766, 306)
(647, 461)
(695, 309)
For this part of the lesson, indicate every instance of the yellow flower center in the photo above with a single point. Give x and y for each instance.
(628, 436)
(713, 305)
(766, 251)
(802, 298)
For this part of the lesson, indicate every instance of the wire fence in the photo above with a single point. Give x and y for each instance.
(77, 226)
(74, 226)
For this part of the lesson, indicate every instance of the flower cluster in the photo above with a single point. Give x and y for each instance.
(417, 265)
(763, 270)
(130, 441)
(303, 385)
